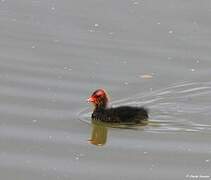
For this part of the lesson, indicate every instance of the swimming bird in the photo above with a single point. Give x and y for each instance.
(121, 114)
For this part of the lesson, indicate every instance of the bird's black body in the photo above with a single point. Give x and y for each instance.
(122, 114)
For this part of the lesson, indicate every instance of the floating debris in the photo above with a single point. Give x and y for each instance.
(34, 120)
(126, 83)
(135, 3)
(146, 76)
(91, 30)
(78, 155)
(96, 25)
(171, 32)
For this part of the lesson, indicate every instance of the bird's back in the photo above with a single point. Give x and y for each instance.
(122, 114)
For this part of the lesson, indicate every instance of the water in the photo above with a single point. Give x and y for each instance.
(53, 54)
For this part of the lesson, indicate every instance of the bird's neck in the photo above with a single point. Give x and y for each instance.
(100, 106)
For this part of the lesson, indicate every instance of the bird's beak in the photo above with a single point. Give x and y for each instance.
(91, 99)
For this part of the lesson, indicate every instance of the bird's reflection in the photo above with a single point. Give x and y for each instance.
(99, 134)
(100, 130)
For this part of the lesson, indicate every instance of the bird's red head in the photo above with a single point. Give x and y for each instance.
(99, 98)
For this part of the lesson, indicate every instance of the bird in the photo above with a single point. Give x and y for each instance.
(121, 114)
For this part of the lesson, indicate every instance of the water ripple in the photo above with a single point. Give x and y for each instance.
(181, 107)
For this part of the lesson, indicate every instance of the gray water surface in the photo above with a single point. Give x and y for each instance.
(53, 54)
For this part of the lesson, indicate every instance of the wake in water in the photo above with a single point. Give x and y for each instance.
(180, 107)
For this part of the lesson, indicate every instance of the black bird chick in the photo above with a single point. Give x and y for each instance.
(122, 114)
